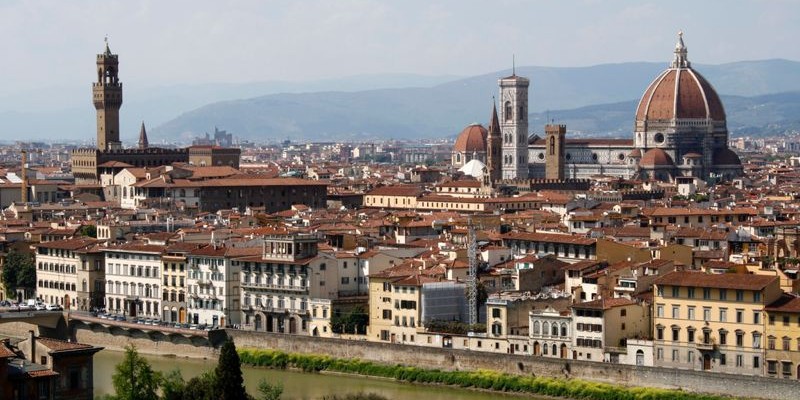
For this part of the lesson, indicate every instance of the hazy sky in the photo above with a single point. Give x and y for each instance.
(53, 42)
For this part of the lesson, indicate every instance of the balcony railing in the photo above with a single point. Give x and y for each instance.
(277, 310)
(255, 285)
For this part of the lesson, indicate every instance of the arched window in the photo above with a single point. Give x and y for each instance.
(545, 328)
(563, 329)
(509, 111)
(555, 349)
(521, 113)
(554, 332)
(536, 328)
(552, 145)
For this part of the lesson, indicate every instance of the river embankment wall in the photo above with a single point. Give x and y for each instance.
(444, 359)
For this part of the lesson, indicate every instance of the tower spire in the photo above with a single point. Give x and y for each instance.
(680, 60)
(494, 147)
(143, 143)
(494, 122)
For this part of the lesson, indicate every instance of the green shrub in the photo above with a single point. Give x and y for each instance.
(481, 379)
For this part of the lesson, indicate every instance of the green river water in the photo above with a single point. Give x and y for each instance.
(296, 385)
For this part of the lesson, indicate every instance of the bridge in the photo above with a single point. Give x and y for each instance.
(158, 333)
(63, 325)
(47, 319)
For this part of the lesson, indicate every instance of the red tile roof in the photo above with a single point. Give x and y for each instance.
(722, 281)
(56, 345)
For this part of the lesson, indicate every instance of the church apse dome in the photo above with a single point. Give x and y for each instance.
(472, 138)
(470, 144)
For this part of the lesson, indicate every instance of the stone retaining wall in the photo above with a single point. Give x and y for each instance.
(451, 359)
(447, 359)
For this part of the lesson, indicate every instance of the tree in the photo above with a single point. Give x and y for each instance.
(269, 391)
(89, 230)
(19, 272)
(354, 321)
(201, 387)
(230, 383)
(134, 378)
(173, 386)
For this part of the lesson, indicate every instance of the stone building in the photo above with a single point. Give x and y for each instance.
(174, 287)
(214, 156)
(70, 273)
(712, 322)
(280, 284)
(680, 130)
(133, 279)
(213, 285)
(87, 163)
(783, 337)
(45, 368)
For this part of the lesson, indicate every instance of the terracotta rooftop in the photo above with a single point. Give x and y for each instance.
(400, 190)
(605, 304)
(471, 139)
(56, 345)
(548, 238)
(69, 244)
(722, 281)
(788, 303)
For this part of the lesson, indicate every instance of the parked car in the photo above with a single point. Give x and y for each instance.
(53, 307)
(40, 307)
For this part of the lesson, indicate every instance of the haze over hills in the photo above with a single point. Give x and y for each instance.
(66, 112)
(596, 100)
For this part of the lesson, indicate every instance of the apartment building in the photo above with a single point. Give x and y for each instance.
(551, 333)
(783, 337)
(281, 282)
(70, 273)
(214, 284)
(567, 248)
(602, 327)
(174, 292)
(134, 278)
(712, 322)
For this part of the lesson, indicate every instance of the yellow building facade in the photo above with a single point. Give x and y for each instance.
(712, 322)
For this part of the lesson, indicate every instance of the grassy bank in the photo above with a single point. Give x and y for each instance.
(489, 380)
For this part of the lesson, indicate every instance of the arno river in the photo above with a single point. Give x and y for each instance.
(296, 385)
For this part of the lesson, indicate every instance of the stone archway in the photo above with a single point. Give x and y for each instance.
(563, 350)
(257, 322)
(537, 349)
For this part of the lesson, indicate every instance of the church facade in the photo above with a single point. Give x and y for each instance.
(679, 130)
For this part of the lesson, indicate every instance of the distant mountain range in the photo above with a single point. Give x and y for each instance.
(755, 115)
(597, 100)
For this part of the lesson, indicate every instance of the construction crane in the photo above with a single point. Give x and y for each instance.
(482, 222)
(24, 173)
(472, 274)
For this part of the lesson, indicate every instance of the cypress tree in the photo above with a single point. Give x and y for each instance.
(230, 383)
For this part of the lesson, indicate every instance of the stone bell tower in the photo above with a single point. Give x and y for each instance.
(107, 98)
(514, 126)
(554, 155)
